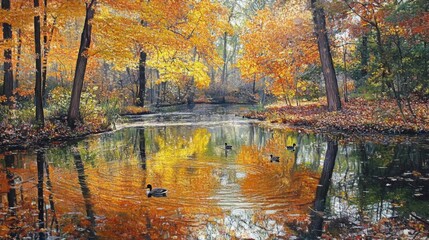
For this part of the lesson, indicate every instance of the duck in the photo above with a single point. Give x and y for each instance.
(291, 148)
(227, 147)
(156, 192)
(274, 158)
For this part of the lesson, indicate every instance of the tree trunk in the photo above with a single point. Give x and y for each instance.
(346, 99)
(18, 58)
(225, 60)
(331, 85)
(364, 56)
(386, 71)
(46, 48)
(82, 59)
(7, 65)
(40, 119)
(142, 79)
(254, 84)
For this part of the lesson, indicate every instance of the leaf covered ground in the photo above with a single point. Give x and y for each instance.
(27, 134)
(357, 116)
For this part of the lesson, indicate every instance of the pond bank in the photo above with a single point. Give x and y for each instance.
(28, 135)
(357, 117)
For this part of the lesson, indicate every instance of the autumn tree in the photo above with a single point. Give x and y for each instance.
(82, 59)
(174, 38)
(395, 67)
(278, 44)
(331, 85)
(7, 65)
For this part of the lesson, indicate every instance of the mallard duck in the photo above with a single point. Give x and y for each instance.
(228, 146)
(156, 192)
(291, 148)
(274, 158)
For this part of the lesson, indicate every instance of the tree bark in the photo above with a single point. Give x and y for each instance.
(331, 84)
(225, 60)
(364, 56)
(46, 48)
(18, 58)
(346, 99)
(142, 79)
(40, 119)
(82, 59)
(7, 65)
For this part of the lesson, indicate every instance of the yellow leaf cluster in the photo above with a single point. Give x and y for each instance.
(178, 36)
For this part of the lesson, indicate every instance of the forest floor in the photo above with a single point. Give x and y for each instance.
(358, 116)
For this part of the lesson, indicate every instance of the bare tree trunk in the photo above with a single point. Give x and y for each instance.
(386, 71)
(346, 99)
(225, 60)
(331, 85)
(40, 119)
(364, 56)
(254, 84)
(18, 59)
(7, 65)
(142, 79)
(46, 48)
(82, 59)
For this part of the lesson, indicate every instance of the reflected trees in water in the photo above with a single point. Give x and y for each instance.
(85, 192)
(40, 198)
(105, 174)
(317, 213)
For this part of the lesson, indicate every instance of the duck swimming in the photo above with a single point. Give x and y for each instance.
(274, 158)
(156, 192)
(291, 148)
(228, 146)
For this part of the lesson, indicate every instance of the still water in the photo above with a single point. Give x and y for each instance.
(96, 187)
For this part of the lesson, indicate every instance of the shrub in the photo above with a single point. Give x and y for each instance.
(135, 110)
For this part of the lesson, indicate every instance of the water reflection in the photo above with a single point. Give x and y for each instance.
(99, 184)
(90, 228)
(40, 199)
(317, 212)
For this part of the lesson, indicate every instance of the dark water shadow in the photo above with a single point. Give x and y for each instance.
(85, 192)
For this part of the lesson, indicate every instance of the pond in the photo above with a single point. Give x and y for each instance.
(96, 187)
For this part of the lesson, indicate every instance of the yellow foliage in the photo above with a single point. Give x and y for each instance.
(135, 110)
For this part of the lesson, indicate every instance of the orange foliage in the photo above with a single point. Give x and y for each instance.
(279, 45)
